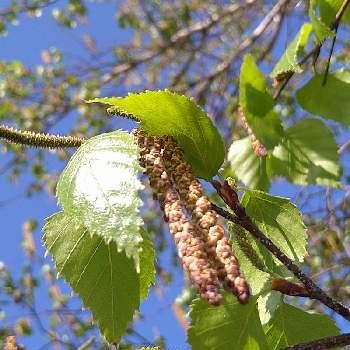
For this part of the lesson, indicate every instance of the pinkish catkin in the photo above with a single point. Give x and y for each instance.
(190, 247)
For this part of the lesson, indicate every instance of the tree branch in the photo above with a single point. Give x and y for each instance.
(33, 139)
(176, 39)
(222, 67)
(324, 343)
(230, 197)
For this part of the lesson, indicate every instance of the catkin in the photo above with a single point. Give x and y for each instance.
(205, 220)
(258, 147)
(190, 247)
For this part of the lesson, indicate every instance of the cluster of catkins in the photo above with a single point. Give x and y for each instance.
(200, 239)
(258, 147)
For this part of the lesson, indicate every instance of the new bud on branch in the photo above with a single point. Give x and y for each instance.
(204, 250)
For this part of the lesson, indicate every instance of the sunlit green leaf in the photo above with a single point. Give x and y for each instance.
(105, 278)
(230, 326)
(166, 113)
(321, 29)
(330, 101)
(291, 325)
(257, 104)
(308, 155)
(247, 166)
(268, 304)
(256, 262)
(329, 9)
(147, 268)
(100, 188)
(288, 62)
(279, 220)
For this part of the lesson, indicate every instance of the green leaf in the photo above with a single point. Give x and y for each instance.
(330, 101)
(329, 9)
(230, 326)
(291, 325)
(321, 29)
(100, 188)
(279, 220)
(308, 155)
(247, 166)
(147, 269)
(257, 105)
(105, 278)
(256, 262)
(288, 62)
(166, 113)
(268, 304)
(251, 263)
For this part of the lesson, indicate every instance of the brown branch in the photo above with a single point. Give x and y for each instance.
(288, 288)
(230, 197)
(324, 343)
(251, 39)
(176, 39)
(274, 36)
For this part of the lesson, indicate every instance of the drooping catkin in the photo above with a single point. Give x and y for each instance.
(258, 147)
(206, 220)
(191, 249)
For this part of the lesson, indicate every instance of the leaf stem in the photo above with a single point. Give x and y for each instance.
(34, 139)
(230, 197)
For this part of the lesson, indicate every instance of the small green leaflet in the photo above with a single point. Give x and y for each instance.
(247, 166)
(291, 325)
(166, 113)
(288, 62)
(329, 9)
(105, 278)
(308, 155)
(257, 104)
(230, 326)
(251, 263)
(321, 29)
(100, 188)
(147, 269)
(256, 262)
(279, 220)
(330, 101)
(268, 304)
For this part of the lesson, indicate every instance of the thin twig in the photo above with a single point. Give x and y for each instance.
(251, 39)
(315, 50)
(332, 221)
(335, 27)
(324, 343)
(175, 40)
(290, 74)
(344, 147)
(230, 197)
(325, 76)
